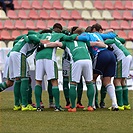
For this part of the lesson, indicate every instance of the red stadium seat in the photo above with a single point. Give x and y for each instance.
(16, 5)
(117, 15)
(83, 24)
(108, 5)
(75, 14)
(33, 14)
(132, 25)
(5, 35)
(57, 5)
(119, 5)
(25, 4)
(22, 14)
(122, 34)
(63, 23)
(91, 22)
(47, 5)
(98, 5)
(19, 25)
(127, 15)
(44, 15)
(41, 24)
(125, 25)
(104, 24)
(114, 25)
(1, 25)
(128, 5)
(65, 15)
(50, 23)
(25, 32)
(8, 24)
(130, 35)
(54, 15)
(30, 25)
(72, 23)
(36, 5)
(12, 14)
(15, 33)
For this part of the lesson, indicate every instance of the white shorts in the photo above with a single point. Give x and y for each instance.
(46, 67)
(65, 67)
(18, 65)
(123, 67)
(81, 68)
(6, 68)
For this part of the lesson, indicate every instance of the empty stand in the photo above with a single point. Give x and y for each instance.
(36, 5)
(22, 14)
(125, 25)
(128, 5)
(68, 5)
(91, 22)
(57, 5)
(83, 24)
(25, 4)
(50, 23)
(2, 44)
(30, 25)
(15, 33)
(54, 15)
(1, 25)
(72, 23)
(5, 35)
(122, 34)
(33, 14)
(8, 24)
(24, 31)
(107, 15)
(41, 24)
(65, 14)
(78, 5)
(63, 23)
(47, 5)
(75, 14)
(116, 15)
(104, 24)
(19, 25)
(96, 14)
(44, 14)
(3, 15)
(118, 5)
(12, 14)
(98, 5)
(130, 35)
(108, 5)
(86, 15)
(128, 15)
(114, 25)
(88, 5)
(16, 5)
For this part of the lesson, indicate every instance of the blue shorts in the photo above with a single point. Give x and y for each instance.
(104, 63)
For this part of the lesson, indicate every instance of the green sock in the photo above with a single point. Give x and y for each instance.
(125, 95)
(66, 89)
(79, 91)
(24, 90)
(103, 92)
(17, 92)
(72, 94)
(96, 93)
(50, 91)
(56, 95)
(30, 95)
(119, 95)
(3, 86)
(38, 93)
(90, 93)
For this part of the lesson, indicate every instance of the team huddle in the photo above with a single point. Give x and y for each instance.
(88, 53)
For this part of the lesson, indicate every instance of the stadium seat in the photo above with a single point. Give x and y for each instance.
(54, 15)
(3, 15)
(30, 25)
(68, 5)
(44, 14)
(50, 23)
(125, 25)
(107, 15)
(16, 5)
(128, 15)
(63, 23)
(83, 24)
(5, 35)
(118, 5)
(130, 35)
(40, 24)
(86, 15)
(36, 5)
(33, 14)
(22, 14)
(117, 15)
(2, 44)
(128, 5)
(47, 5)
(10, 44)
(65, 14)
(19, 25)
(108, 5)
(25, 4)
(78, 5)
(15, 33)
(1, 25)
(24, 31)
(129, 44)
(122, 34)
(72, 23)
(57, 5)
(75, 14)
(12, 14)
(114, 25)
(132, 25)
(88, 5)
(104, 24)
(8, 24)
(98, 5)
(96, 14)
(91, 22)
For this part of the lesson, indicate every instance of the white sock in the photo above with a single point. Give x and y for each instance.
(111, 92)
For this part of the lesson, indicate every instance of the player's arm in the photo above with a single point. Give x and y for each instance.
(99, 44)
(51, 44)
(109, 35)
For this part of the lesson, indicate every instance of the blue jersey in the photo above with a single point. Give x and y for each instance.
(93, 37)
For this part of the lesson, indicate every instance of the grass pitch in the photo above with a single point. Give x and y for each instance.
(48, 121)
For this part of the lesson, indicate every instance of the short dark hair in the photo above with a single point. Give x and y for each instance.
(97, 27)
(73, 29)
(88, 29)
(57, 25)
(46, 31)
